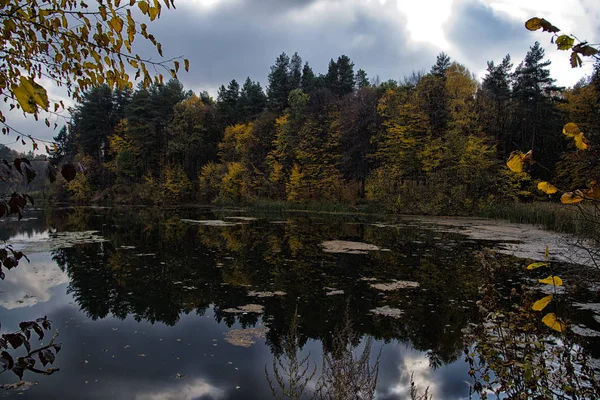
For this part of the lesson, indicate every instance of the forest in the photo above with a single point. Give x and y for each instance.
(433, 142)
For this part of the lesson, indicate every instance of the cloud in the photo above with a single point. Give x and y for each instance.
(31, 283)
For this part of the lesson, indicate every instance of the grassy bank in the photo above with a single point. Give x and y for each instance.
(552, 216)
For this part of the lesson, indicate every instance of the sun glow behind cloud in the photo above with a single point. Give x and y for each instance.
(425, 20)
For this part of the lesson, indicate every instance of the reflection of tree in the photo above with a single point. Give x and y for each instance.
(343, 375)
(155, 267)
(291, 373)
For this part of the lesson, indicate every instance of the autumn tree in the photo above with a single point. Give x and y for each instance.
(192, 136)
(76, 46)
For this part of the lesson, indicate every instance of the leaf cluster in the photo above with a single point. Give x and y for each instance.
(46, 355)
(564, 42)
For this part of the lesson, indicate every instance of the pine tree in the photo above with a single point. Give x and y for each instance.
(332, 77)
(441, 65)
(252, 100)
(228, 103)
(308, 83)
(295, 72)
(362, 81)
(536, 119)
(279, 85)
(346, 80)
(494, 101)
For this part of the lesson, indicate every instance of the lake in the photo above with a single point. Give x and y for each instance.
(192, 303)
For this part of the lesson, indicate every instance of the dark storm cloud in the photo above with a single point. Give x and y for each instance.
(482, 35)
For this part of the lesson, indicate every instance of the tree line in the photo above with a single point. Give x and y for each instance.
(432, 142)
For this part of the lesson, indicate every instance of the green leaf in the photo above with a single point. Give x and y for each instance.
(564, 42)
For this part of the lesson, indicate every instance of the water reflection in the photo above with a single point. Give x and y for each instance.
(160, 277)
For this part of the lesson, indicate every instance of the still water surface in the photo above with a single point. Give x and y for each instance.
(149, 303)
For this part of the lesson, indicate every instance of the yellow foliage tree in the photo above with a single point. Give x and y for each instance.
(76, 46)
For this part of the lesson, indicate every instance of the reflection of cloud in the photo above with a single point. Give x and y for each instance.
(418, 365)
(198, 388)
(29, 284)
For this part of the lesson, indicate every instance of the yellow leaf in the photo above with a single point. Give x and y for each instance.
(547, 188)
(581, 141)
(102, 10)
(593, 193)
(173, 73)
(143, 6)
(116, 24)
(186, 64)
(571, 129)
(514, 163)
(541, 303)
(533, 24)
(176, 64)
(134, 63)
(552, 280)
(537, 265)
(553, 322)
(30, 95)
(547, 252)
(159, 49)
(153, 12)
(570, 198)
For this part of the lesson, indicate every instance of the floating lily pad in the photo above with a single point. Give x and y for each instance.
(245, 337)
(387, 311)
(345, 247)
(211, 222)
(248, 308)
(253, 293)
(394, 285)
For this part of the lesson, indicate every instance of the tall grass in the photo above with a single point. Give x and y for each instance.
(266, 206)
(579, 220)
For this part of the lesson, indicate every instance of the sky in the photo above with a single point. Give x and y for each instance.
(234, 39)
